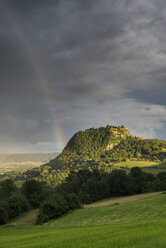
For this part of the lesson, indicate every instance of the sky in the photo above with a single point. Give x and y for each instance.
(67, 66)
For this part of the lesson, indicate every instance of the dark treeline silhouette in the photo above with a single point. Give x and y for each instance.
(95, 185)
(81, 187)
(14, 200)
(32, 195)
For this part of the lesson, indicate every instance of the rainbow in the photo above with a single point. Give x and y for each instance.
(33, 57)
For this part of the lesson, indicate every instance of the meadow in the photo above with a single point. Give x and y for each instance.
(136, 224)
(132, 163)
(147, 166)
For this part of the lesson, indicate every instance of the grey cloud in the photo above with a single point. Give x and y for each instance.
(157, 96)
(78, 61)
(22, 5)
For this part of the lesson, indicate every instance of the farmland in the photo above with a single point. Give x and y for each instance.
(23, 162)
(131, 225)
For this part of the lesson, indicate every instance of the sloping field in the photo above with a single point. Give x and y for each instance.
(29, 218)
(25, 219)
(134, 224)
(119, 200)
(148, 209)
(133, 235)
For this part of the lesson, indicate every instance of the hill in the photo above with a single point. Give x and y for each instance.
(102, 148)
(134, 224)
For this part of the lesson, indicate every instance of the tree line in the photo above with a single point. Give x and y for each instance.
(81, 187)
(90, 186)
(33, 195)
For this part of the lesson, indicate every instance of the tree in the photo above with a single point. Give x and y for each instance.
(7, 188)
(119, 183)
(52, 208)
(162, 177)
(3, 213)
(34, 192)
(13, 206)
(138, 179)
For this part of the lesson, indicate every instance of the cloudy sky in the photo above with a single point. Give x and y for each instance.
(70, 65)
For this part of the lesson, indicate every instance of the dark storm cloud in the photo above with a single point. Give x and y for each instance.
(155, 96)
(22, 5)
(85, 63)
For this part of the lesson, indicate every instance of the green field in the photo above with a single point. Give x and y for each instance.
(130, 164)
(147, 166)
(137, 224)
(156, 169)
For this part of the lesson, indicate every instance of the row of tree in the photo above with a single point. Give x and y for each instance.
(86, 186)
(32, 195)
(81, 187)
(94, 185)
(14, 200)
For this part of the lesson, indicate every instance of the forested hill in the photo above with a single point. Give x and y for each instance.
(91, 143)
(95, 140)
(100, 148)
(108, 144)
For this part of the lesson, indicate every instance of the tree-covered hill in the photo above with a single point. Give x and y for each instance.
(90, 144)
(97, 148)
(104, 146)
(136, 148)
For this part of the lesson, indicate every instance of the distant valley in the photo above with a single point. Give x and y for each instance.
(23, 162)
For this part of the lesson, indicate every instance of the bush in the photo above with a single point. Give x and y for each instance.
(52, 208)
(57, 206)
(3, 213)
(34, 192)
(42, 218)
(24, 204)
(14, 206)
(7, 188)
(119, 183)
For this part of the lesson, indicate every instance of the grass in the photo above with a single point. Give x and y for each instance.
(134, 235)
(135, 224)
(156, 169)
(147, 166)
(120, 199)
(25, 219)
(148, 209)
(130, 164)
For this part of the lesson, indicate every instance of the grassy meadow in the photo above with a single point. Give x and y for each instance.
(131, 163)
(136, 224)
(147, 166)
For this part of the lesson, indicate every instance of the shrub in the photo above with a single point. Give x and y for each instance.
(24, 204)
(56, 206)
(7, 188)
(14, 206)
(34, 192)
(3, 213)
